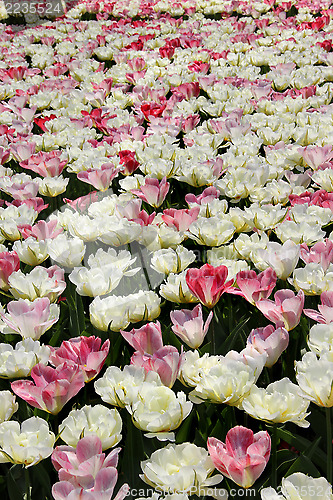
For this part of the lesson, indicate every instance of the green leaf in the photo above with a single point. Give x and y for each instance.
(16, 483)
(305, 465)
(184, 430)
(302, 444)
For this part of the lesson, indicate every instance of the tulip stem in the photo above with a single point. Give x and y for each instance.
(329, 444)
(27, 484)
(274, 456)
(212, 333)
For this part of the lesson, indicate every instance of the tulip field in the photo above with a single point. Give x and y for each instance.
(166, 249)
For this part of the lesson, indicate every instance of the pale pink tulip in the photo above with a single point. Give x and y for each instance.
(189, 326)
(85, 472)
(23, 150)
(84, 352)
(285, 309)
(208, 283)
(4, 155)
(320, 253)
(180, 219)
(325, 314)
(64, 490)
(152, 191)
(244, 455)
(100, 178)
(46, 164)
(41, 230)
(315, 156)
(209, 194)
(147, 339)
(269, 340)
(189, 123)
(166, 362)
(23, 190)
(52, 387)
(254, 287)
(9, 263)
(30, 319)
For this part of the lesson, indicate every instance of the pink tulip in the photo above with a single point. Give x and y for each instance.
(147, 339)
(180, 219)
(30, 319)
(253, 287)
(80, 204)
(320, 253)
(325, 314)
(85, 472)
(128, 161)
(152, 191)
(84, 352)
(269, 340)
(189, 325)
(285, 309)
(209, 194)
(189, 123)
(46, 164)
(9, 263)
(52, 387)
(36, 203)
(64, 490)
(244, 455)
(23, 190)
(41, 230)
(23, 150)
(100, 178)
(315, 156)
(4, 155)
(166, 362)
(208, 283)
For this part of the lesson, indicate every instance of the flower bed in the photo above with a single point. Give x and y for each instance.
(166, 255)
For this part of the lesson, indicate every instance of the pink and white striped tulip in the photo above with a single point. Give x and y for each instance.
(286, 309)
(254, 287)
(189, 326)
(84, 352)
(325, 314)
(152, 191)
(208, 283)
(9, 263)
(46, 164)
(100, 178)
(85, 472)
(166, 362)
(147, 339)
(30, 319)
(269, 340)
(320, 253)
(244, 455)
(51, 387)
